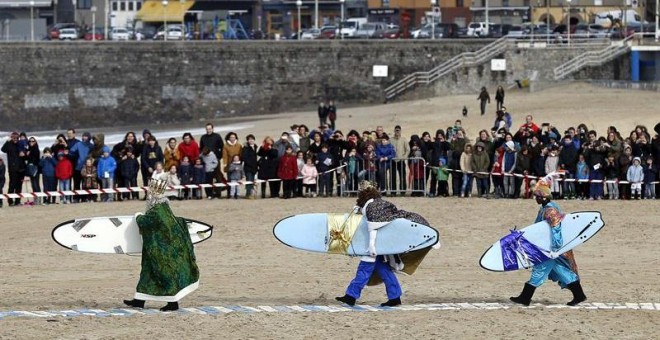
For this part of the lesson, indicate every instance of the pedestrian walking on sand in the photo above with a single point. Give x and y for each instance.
(483, 98)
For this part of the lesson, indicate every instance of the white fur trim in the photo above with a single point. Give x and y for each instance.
(183, 292)
(364, 208)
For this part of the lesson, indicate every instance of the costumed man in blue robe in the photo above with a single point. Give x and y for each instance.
(559, 268)
(169, 269)
(379, 213)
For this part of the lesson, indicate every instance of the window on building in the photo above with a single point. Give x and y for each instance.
(84, 4)
(122, 6)
(138, 5)
(115, 6)
(505, 3)
(459, 3)
(131, 5)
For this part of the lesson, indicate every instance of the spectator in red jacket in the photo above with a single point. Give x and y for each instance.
(530, 125)
(189, 147)
(287, 171)
(64, 173)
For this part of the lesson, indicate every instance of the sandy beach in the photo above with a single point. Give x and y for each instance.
(243, 264)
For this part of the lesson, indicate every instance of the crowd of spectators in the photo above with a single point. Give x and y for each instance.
(501, 161)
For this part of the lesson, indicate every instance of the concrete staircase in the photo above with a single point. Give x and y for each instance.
(593, 58)
(465, 59)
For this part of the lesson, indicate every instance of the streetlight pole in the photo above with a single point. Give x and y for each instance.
(32, 19)
(487, 20)
(341, 23)
(165, 3)
(657, 21)
(299, 4)
(547, 21)
(93, 10)
(106, 15)
(316, 13)
(433, 4)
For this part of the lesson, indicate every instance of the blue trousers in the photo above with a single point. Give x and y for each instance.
(558, 270)
(364, 272)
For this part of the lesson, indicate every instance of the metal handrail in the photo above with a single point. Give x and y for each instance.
(593, 58)
(463, 59)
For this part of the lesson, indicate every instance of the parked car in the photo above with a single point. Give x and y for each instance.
(389, 32)
(54, 31)
(441, 30)
(350, 26)
(310, 34)
(68, 34)
(516, 32)
(498, 30)
(367, 31)
(174, 32)
(328, 32)
(95, 34)
(148, 32)
(477, 29)
(119, 33)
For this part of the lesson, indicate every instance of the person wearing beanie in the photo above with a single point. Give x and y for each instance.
(635, 176)
(106, 172)
(562, 268)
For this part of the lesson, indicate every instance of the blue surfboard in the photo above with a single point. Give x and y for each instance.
(312, 232)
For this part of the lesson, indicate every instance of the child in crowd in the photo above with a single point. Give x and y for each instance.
(235, 174)
(198, 177)
(210, 164)
(611, 172)
(106, 172)
(552, 165)
(159, 171)
(185, 175)
(650, 176)
(47, 165)
(369, 157)
(466, 167)
(417, 171)
(509, 161)
(352, 169)
(309, 174)
(442, 174)
(323, 163)
(88, 179)
(287, 171)
(636, 178)
(300, 158)
(64, 173)
(172, 179)
(582, 177)
(496, 174)
(128, 169)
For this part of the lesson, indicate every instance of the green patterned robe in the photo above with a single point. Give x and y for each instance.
(169, 271)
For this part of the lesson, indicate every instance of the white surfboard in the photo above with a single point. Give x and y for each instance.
(310, 232)
(113, 235)
(513, 252)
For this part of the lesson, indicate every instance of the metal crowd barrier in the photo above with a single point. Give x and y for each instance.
(396, 176)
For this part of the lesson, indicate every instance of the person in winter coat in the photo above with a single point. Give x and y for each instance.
(232, 148)
(210, 140)
(89, 180)
(611, 171)
(385, 153)
(3, 170)
(198, 176)
(47, 165)
(636, 177)
(322, 113)
(268, 162)
(33, 156)
(466, 167)
(324, 163)
(524, 168)
(16, 167)
(64, 174)
(582, 177)
(106, 167)
(332, 114)
(499, 97)
(235, 173)
(152, 153)
(287, 171)
(309, 174)
(624, 162)
(128, 168)
(483, 98)
(250, 165)
(650, 176)
(171, 154)
(440, 150)
(210, 165)
(189, 147)
(509, 162)
(551, 166)
(185, 172)
(480, 165)
(568, 156)
(97, 150)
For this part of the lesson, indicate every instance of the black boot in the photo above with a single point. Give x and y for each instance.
(347, 299)
(391, 303)
(170, 307)
(134, 303)
(525, 296)
(578, 294)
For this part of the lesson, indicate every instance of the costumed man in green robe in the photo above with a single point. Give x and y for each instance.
(169, 271)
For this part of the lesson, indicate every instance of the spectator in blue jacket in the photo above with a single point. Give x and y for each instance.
(650, 176)
(47, 165)
(106, 172)
(78, 153)
(385, 153)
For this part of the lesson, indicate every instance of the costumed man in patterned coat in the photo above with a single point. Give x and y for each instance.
(379, 213)
(169, 269)
(559, 268)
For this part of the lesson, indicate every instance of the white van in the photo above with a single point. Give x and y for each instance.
(631, 18)
(477, 29)
(350, 27)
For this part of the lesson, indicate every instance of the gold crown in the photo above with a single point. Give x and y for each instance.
(364, 185)
(157, 187)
